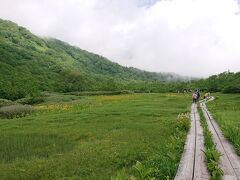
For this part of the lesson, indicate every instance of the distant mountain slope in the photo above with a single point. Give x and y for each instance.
(29, 63)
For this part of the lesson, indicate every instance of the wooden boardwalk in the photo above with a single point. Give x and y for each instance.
(192, 164)
(229, 161)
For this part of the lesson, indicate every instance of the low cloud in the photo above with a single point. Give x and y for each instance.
(189, 37)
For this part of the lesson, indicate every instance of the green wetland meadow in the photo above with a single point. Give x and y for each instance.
(95, 137)
(105, 136)
(66, 113)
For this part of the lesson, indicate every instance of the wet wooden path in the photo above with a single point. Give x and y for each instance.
(229, 161)
(192, 164)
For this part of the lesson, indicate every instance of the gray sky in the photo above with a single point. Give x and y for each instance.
(189, 37)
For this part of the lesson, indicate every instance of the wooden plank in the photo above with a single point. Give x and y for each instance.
(201, 171)
(229, 161)
(192, 164)
(185, 169)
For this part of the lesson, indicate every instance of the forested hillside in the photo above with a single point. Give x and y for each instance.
(29, 64)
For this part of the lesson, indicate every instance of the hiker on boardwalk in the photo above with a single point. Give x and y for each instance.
(198, 94)
(206, 95)
(194, 97)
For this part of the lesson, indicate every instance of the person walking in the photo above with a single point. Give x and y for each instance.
(194, 97)
(198, 94)
(205, 96)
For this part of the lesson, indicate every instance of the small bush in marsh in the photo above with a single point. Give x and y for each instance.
(183, 121)
(17, 110)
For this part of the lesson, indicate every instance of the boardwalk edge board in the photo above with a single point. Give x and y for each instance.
(229, 161)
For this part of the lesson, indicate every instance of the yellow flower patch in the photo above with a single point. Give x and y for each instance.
(52, 107)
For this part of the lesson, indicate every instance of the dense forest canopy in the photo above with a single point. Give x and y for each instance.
(29, 65)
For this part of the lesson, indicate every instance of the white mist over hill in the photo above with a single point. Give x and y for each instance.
(188, 37)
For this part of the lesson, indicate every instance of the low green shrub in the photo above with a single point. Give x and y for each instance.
(231, 89)
(95, 93)
(31, 100)
(5, 102)
(17, 110)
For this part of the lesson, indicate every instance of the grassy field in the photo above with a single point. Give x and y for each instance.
(226, 110)
(94, 137)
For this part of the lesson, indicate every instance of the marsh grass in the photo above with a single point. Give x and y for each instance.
(162, 166)
(27, 146)
(95, 138)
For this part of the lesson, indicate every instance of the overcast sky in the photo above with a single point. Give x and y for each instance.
(189, 37)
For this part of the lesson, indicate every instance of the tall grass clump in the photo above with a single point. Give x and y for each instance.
(16, 110)
(212, 156)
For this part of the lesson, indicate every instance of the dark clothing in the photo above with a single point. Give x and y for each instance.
(198, 95)
(194, 100)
